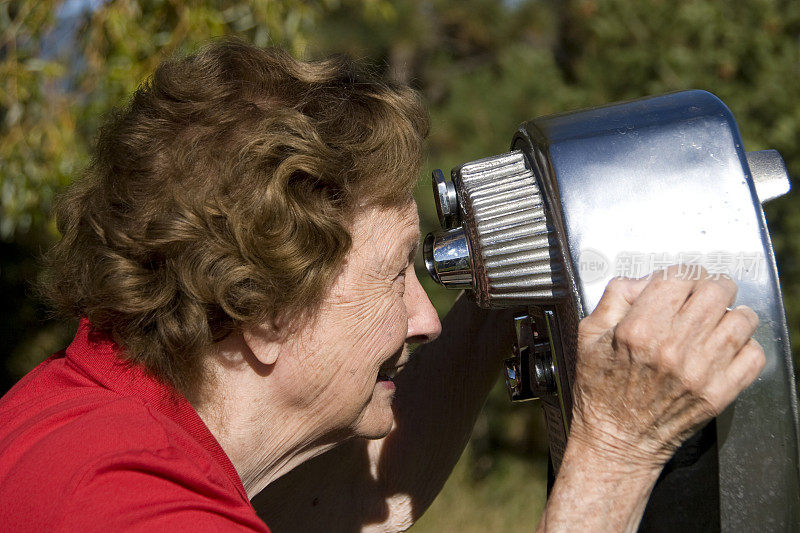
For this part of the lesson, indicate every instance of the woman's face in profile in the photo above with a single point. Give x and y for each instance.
(344, 358)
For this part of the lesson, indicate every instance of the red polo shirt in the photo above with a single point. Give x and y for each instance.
(89, 443)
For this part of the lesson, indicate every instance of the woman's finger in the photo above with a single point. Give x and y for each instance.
(732, 332)
(616, 301)
(743, 369)
(705, 307)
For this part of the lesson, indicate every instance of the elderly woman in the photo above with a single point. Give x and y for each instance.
(240, 254)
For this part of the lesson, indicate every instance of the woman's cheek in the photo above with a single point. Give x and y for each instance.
(388, 313)
(397, 320)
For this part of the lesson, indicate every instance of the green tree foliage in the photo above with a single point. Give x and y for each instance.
(37, 126)
(56, 88)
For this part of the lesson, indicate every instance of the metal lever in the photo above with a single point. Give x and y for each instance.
(530, 373)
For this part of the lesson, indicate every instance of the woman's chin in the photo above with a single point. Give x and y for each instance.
(378, 432)
(378, 418)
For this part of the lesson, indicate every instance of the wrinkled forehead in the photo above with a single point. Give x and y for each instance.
(400, 223)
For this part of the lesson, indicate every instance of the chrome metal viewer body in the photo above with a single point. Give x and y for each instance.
(627, 189)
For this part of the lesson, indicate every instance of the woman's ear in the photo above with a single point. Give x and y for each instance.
(263, 341)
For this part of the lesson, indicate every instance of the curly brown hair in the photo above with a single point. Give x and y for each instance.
(221, 196)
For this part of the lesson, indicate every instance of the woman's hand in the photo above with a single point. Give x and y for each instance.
(657, 359)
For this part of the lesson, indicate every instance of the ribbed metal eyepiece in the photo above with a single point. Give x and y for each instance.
(504, 248)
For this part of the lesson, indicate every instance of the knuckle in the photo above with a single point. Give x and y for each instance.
(634, 333)
(616, 285)
(593, 321)
(730, 285)
(694, 272)
(668, 360)
(700, 272)
(739, 326)
(680, 274)
(730, 341)
(717, 292)
(694, 382)
(585, 328)
(687, 272)
(660, 277)
(738, 321)
(673, 271)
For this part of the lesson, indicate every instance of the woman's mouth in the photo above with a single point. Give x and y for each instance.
(389, 371)
(387, 374)
(392, 367)
(386, 378)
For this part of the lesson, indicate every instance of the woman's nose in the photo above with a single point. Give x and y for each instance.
(423, 321)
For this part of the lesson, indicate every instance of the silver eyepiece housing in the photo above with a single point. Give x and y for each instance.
(499, 243)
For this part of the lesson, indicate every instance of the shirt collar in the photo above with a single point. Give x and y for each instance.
(98, 357)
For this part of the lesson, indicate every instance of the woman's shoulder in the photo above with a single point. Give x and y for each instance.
(71, 451)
